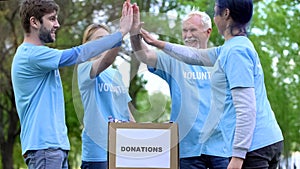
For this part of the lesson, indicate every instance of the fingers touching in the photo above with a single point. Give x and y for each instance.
(130, 20)
(127, 18)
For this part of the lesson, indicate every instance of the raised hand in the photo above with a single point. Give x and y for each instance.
(136, 25)
(127, 18)
(149, 39)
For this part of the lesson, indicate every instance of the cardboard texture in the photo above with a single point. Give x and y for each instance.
(143, 146)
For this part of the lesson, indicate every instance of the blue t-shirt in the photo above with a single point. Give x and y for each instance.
(39, 98)
(103, 96)
(190, 93)
(38, 90)
(237, 65)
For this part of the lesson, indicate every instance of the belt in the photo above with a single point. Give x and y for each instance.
(25, 155)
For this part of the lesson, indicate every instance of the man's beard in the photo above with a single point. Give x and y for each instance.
(192, 42)
(45, 35)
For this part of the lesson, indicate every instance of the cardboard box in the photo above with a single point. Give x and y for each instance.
(143, 146)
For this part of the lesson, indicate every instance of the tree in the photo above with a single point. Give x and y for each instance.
(277, 40)
(11, 36)
(273, 31)
(9, 126)
(156, 109)
(74, 16)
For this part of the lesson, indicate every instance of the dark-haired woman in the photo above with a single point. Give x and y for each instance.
(240, 113)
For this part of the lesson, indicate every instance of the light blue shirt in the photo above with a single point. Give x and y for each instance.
(236, 64)
(38, 90)
(39, 98)
(103, 96)
(190, 92)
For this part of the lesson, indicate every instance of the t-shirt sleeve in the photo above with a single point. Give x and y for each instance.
(239, 68)
(83, 75)
(45, 58)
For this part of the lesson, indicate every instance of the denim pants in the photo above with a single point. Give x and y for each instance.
(93, 165)
(264, 158)
(46, 159)
(204, 162)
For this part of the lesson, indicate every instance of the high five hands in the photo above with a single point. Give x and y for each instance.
(130, 22)
(127, 18)
(136, 24)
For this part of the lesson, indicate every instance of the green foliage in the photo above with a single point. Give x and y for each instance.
(273, 30)
(153, 108)
(72, 119)
(18, 159)
(277, 42)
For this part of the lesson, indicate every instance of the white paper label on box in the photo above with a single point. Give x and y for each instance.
(145, 148)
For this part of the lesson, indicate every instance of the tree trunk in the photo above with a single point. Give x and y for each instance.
(6, 155)
(9, 130)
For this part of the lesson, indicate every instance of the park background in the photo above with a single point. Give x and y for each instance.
(274, 31)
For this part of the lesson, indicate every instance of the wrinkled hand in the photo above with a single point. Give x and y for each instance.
(127, 18)
(235, 163)
(136, 25)
(149, 39)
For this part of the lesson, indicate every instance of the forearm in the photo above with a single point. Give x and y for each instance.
(136, 42)
(104, 62)
(158, 43)
(245, 106)
(96, 47)
(142, 52)
(190, 55)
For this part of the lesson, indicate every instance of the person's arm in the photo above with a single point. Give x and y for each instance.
(189, 55)
(103, 62)
(125, 26)
(245, 106)
(94, 48)
(90, 49)
(141, 51)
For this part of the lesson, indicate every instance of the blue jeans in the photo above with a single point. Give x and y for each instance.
(93, 165)
(46, 158)
(264, 158)
(204, 162)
